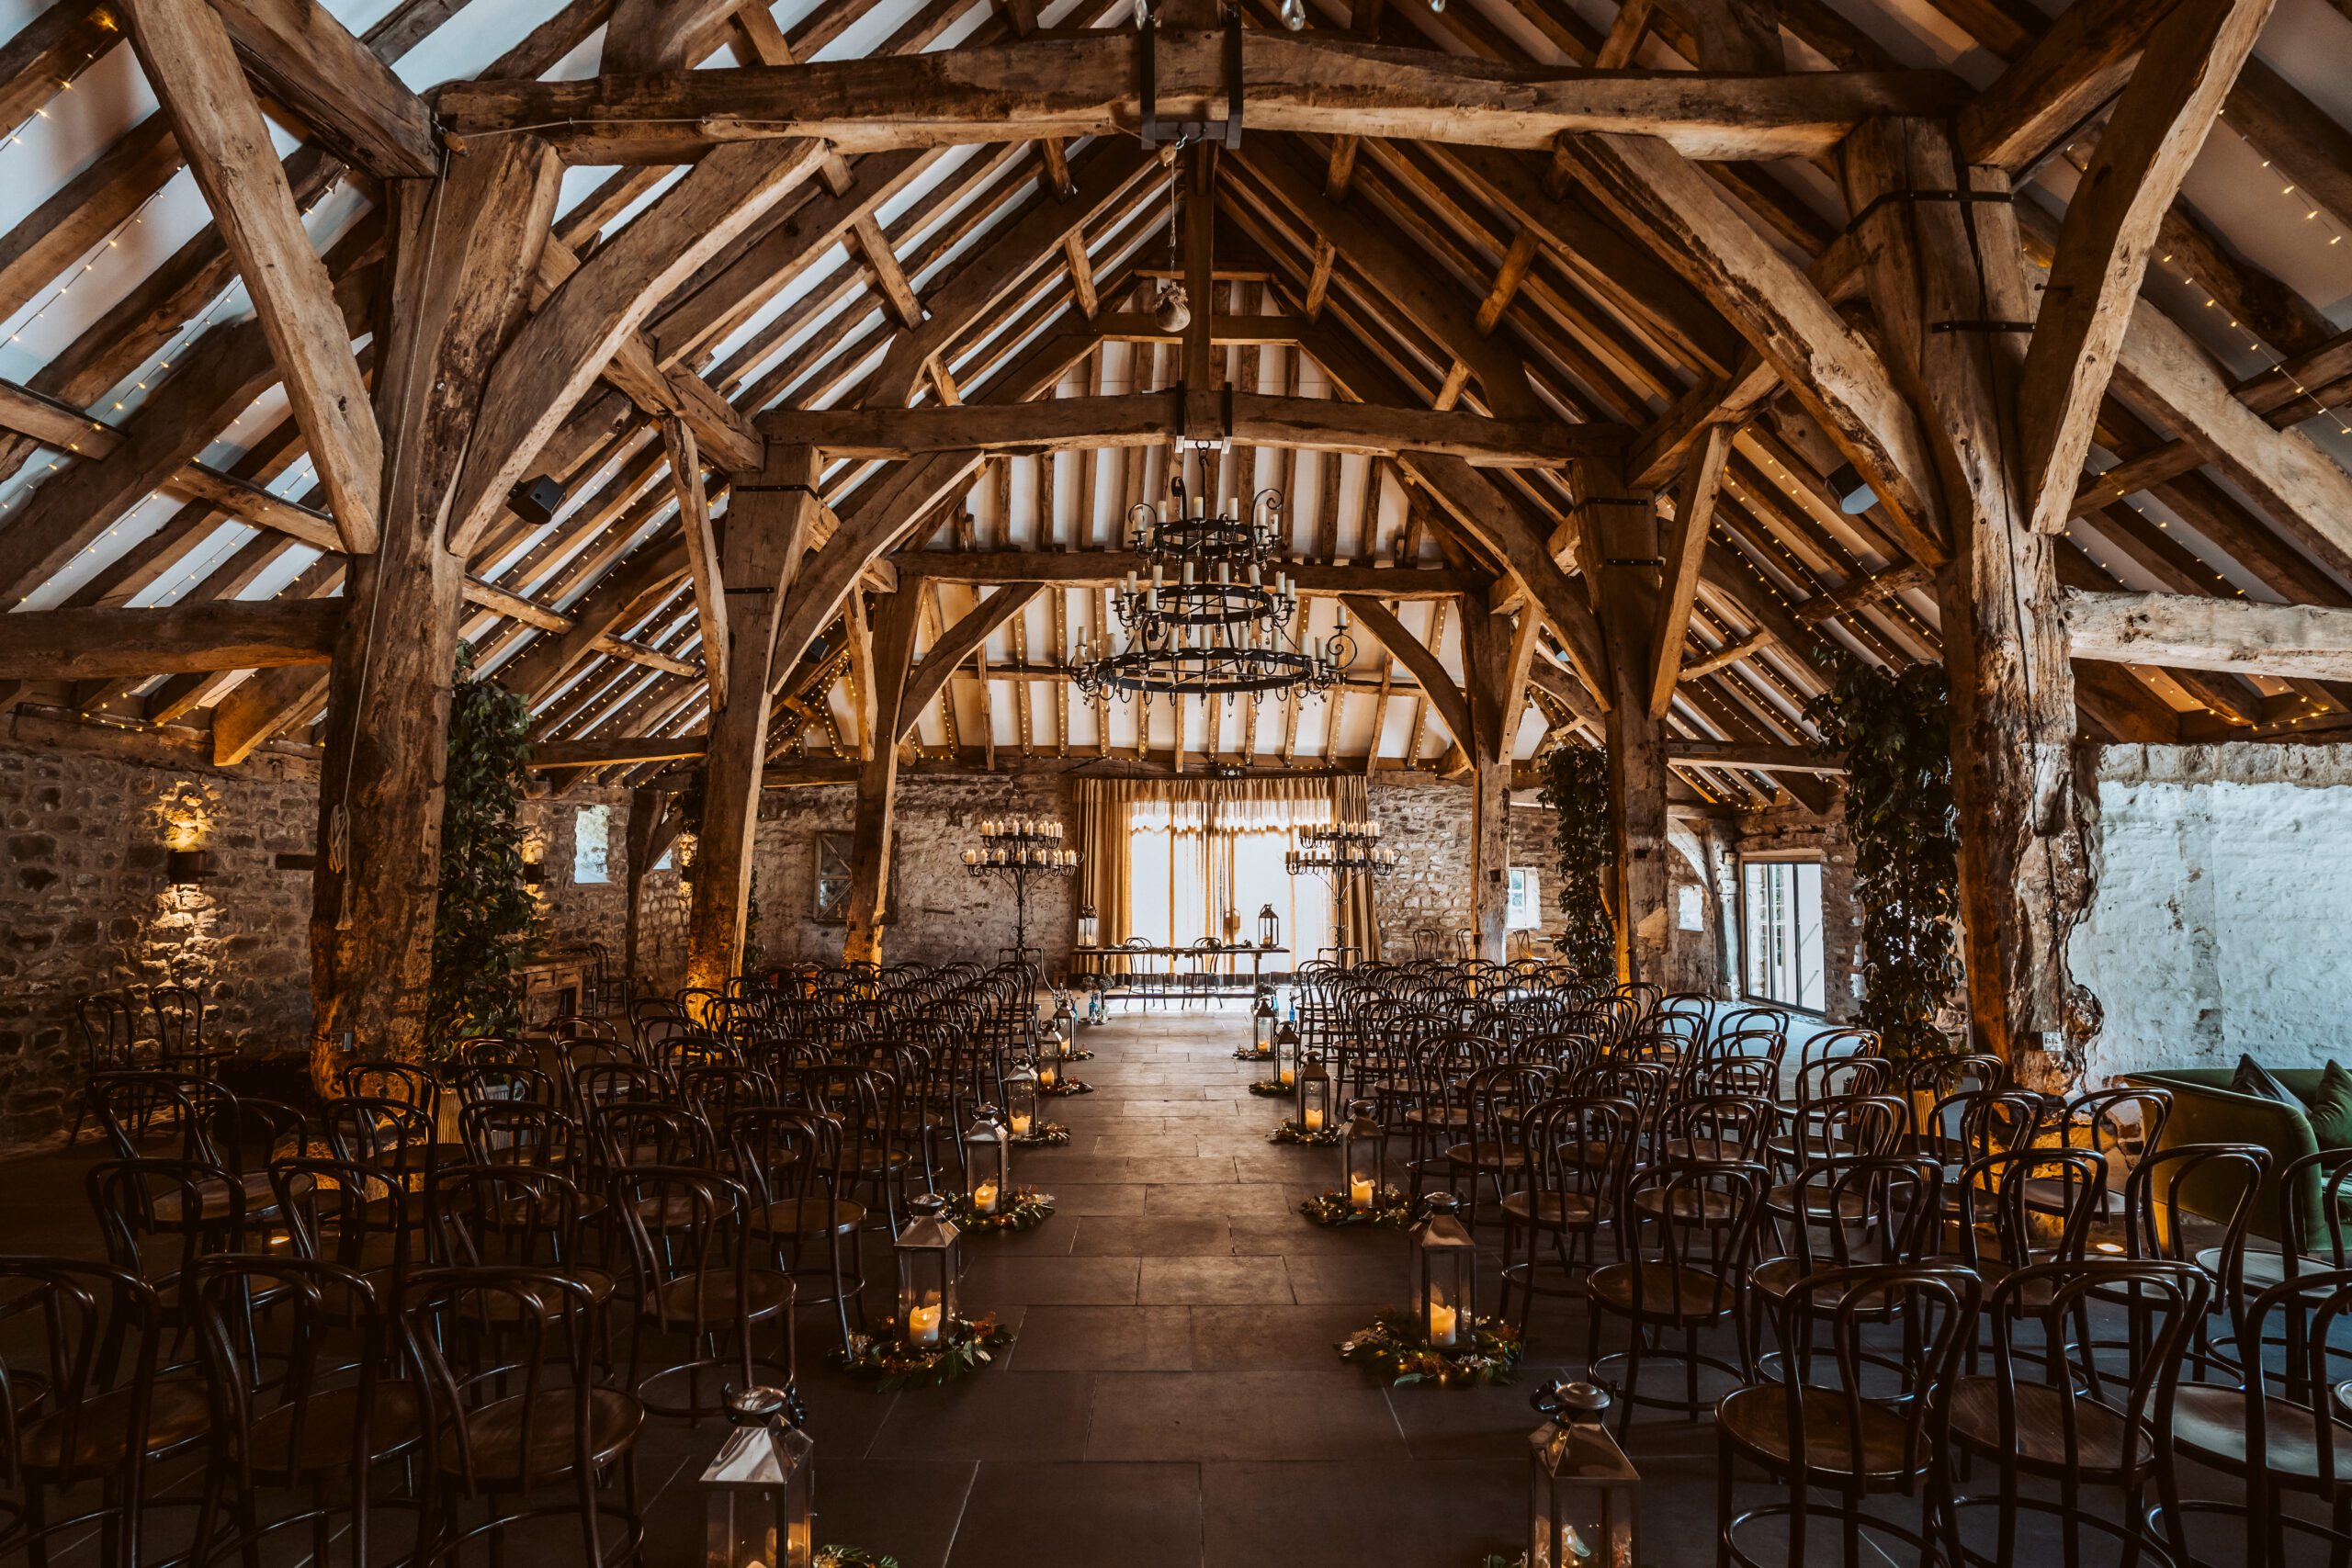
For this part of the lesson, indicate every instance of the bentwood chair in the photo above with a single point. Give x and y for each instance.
(694, 1273)
(1687, 1234)
(511, 1411)
(2053, 1410)
(86, 1406)
(294, 1356)
(1843, 1418)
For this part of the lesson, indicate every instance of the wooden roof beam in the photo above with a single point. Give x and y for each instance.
(2238, 635)
(103, 644)
(1084, 85)
(308, 60)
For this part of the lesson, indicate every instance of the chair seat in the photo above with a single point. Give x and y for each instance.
(2039, 1438)
(1682, 1151)
(1688, 1295)
(809, 1217)
(1554, 1210)
(1837, 1446)
(253, 1187)
(1420, 1116)
(2209, 1422)
(1849, 1208)
(395, 1424)
(494, 1449)
(1690, 1203)
(500, 1307)
(1488, 1155)
(177, 1411)
(765, 1293)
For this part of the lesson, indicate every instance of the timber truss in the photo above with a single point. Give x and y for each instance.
(768, 400)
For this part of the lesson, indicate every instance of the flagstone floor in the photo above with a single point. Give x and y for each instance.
(1173, 1398)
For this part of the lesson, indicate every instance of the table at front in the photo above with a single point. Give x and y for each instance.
(553, 985)
(1094, 956)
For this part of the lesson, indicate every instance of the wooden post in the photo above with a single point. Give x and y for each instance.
(768, 518)
(2027, 827)
(645, 809)
(1620, 535)
(1495, 662)
(877, 779)
(466, 250)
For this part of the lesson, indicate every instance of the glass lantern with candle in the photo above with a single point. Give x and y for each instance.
(1445, 1273)
(1261, 1023)
(1270, 929)
(1314, 1096)
(1090, 926)
(1363, 1150)
(1286, 1050)
(988, 1162)
(759, 1497)
(1021, 1100)
(1049, 1071)
(1582, 1490)
(929, 1255)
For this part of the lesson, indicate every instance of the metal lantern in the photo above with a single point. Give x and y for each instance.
(928, 1256)
(1286, 1055)
(1261, 1024)
(1021, 1100)
(1582, 1490)
(1445, 1272)
(988, 1162)
(1314, 1096)
(1363, 1150)
(1090, 925)
(1049, 1071)
(759, 1500)
(1269, 930)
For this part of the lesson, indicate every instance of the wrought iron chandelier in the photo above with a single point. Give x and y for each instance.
(1342, 851)
(1213, 618)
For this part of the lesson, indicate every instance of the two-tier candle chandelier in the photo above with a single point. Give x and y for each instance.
(1340, 851)
(1214, 617)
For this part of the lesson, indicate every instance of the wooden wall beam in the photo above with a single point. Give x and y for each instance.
(104, 644)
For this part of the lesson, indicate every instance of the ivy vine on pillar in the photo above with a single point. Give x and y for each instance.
(1894, 732)
(1576, 787)
(482, 922)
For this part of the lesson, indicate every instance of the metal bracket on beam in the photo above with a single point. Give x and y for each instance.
(1157, 132)
(2000, 197)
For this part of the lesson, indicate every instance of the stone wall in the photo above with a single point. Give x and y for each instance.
(88, 905)
(2223, 919)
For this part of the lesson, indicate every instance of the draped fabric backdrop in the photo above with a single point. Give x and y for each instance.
(1165, 859)
(1360, 915)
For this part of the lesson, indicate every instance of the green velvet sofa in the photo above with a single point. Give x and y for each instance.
(2206, 1109)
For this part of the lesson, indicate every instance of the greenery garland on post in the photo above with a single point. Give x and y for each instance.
(1575, 786)
(483, 921)
(1895, 731)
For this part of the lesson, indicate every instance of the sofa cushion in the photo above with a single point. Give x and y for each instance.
(2330, 1108)
(2252, 1078)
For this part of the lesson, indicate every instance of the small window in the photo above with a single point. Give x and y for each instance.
(1525, 911)
(1780, 933)
(591, 832)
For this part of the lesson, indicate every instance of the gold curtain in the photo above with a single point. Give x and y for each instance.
(1359, 911)
(1102, 859)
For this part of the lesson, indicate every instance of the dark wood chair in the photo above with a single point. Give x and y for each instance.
(511, 1411)
(1688, 1234)
(1836, 1421)
(698, 1271)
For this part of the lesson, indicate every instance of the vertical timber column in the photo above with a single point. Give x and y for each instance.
(769, 518)
(645, 809)
(1494, 666)
(466, 249)
(877, 779)
(1620, 531)
(2029, 826)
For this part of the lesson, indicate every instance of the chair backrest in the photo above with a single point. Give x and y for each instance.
(1718, 1126)
(528, 1132)
(1689, 1222)
(1581, 1147)
(109, 1030)
(389, 1136)
(276, 1335)
(158, 1216)
(2034, 1315)
(2029, 1205)
(1856, 1209)
(638, 1133)
(517, 1338)
(180, 1016)
(2226, 1181)
(1843, 1392)
(403, 1081)
(77, 1331)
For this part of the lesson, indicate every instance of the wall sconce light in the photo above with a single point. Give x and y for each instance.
(534, 875)
(183, 866)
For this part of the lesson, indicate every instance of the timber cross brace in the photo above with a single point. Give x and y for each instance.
(1633, 384)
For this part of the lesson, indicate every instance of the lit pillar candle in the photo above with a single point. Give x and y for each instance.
(1360, 1192)
(923, 1325)
(1021, 1122)
(1444, 1322)
(1314, 1117)
(984, 1197)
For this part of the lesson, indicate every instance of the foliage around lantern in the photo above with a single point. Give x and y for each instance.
(482, 922)
(1895, 733)
(1023, 1209)
(1391, 1348)
(895, 1364)
(1576, 787)
(1044, 1135)
(1292, 1133)
(1391, 1210)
